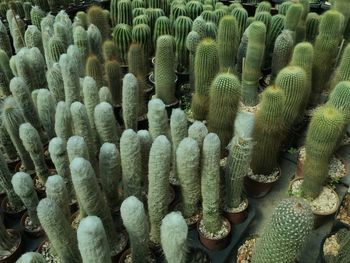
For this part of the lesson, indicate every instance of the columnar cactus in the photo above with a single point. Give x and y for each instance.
(339, 98)
(70, 77)
(109, 50)
(206, 66)
(225, 94)
(12, 118)
(31, 257)
(162, 27)
(31, 142)
(63, 121)
(130, 101)
(210, 183)
(113, 12)
(122, 38)
(282, 52)
(253, 62)
(59, 157)
(5, 72)
(198, 131)
(56, 190)
(77, 147)
(56, 48)
(110, 173)
(158, 186)
(94, 70)
(293, 17)
(286, 232)
(141, 19)
(24, 188)
(267, 132)
(312, 24)
(157, 119)
(75, 55)
(241, 16)
(145, 143)
(17, 29)
(342, 72)
(138, 10)
(264, 17)
(130, 153)
(182, 26)
(55, 82)
(211, 30)
(5, 43)
(33, 38)
(95, 41)
(81, 40)
(97, 17)
(136, 223)
(283, 8)
(113, 77)
(36, 15)
(300, 31)
(164, 69)
(227, 43)
(187, 161)
(5, 141)
(325, 129)
(105, 95)
(124, 12)
(46, 105)
(58, 230)
(199, 26)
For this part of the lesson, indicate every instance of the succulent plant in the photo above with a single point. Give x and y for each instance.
(280, 242)
(130, 153)
(58, 230)
(109, 50)
(81, 41)
(63, 121)
(5, 43)
(46, 106)
(31, 257)
(264, 17)
(339, 98)
(300, 31)
(176, 11)
(91, 198)
(198, 131)
(211, 30)
(124, 12)
(267, 132)
(24, 188)
(342, 72)
(94, 70)
(77, 147)
(138, 10)
(241, 53)
(199, 26)
(97, 17)
(75, 55)
(158, 186)
(187, 161)
(113, 77)
(33, 38)
(182, 26)
(130, 101)
(141, 19)
(55, 82)
(293, 17)
(241, 16)
(95, 41)
(206, 66)
(325, 129)
(17, 30)
(253, 62)
(36, 15)
(122, 37)
(153, 14)
(56, 48)
(5, 141)
(312, 24)
(56, 190)
(194, 9)
(105, 95)
(157, 118)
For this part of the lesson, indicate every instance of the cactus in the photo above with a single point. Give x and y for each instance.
(141, 34)
(158, 187)
(63, 121)
(91, 198)
(253, 62)
(113, 76)
(110, 173)
(282, 52)
(22, 96)
(77, 147)
(206, 66)
(267, 131)
(94, 70)
(325, 129)
(138, 4)
(70, 79)
(113, 12)
(339, 98)
(177, 11)
(187, 161)
(153, 14)
(280, 242)
(241, 16)
(12, 64)
(136, 223)
(12, 119)
(31, 142)
(46, 105)
(98, 18)
(283, 8)
(157, 119)
(182, 26)
(58, 230)
(130, 101)
(341, 256)
(24, 188)
(124, 12)
(46, 33)
(192, 41)
(293, 17)
(81, 41)
(107, 128)
(225, 95)
(199, 26)
(36, 15)
(198, 131)
(33, 38)
(211, 30)
(342, 72)
(141, 19)
(55, 82)
(5, 43)
(326, 50)
(264, 17)
(92, 241)
(31, 257)
(95, 41)
(122, 37)
(241, 53)
(105, 95)
(81, 19)
(300, 31)
(312, 24)
(208, 14)
(74, 54)
(227, 43)
(109, 50)
(263, 6)
(17, 29)
(138, 11)
(62, 33)
(5, 141)
(194, 9)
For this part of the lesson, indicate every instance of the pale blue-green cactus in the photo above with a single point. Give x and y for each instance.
(198, 131)
(63, 121)
(55, 82)
(74, 53)
(17, 30)
(33, 38)
(105, 95)
(77, 147)
(157, 118)
(46, 106)
(5, 43)
(31, 257)
(130, 101)
(145, 143)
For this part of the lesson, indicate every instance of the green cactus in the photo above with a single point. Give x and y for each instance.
(113, 12)
(92, 200)
(63, 121)
(194, 9)
(81, 19)
(81, 41)
(225, 94)
(279, 241)
(130, 101)
(264, 17)
(141, 34)
(342, 255)
(210, 183)
(12, 119)
(253, 62)
(33, 38)
(138, 4)
(300, 31)
(339, 98)
(105, 95)
(182, 26)
(36, 15)
(241, 53)
(199, 26)
(109, 50)
(122, 37)
(227, 43)
(263, 6)
(136, 223)
(187, 161)
(24, 188)
(43, 4)
(5, 141)
(55, 82)
(176, 11)
(153, 14)
(157, 119)
(342, 72)
(5, 43)
(211, 30)
(110, 173)
(138, 10)
(124, 12)
(95, 41)
(97, 17)
(208, 14)
(94, 70)
(17, 29)
(59, 231)
(326, 50)
(31, 142)
(283, 8)
(267, 131)
(46, 105)
(141, 19)
(241, 16)
(31, 257)
(107, 128)
(113, 77)
(56, 49)
(206, 66)
(130, 153)
(282, 52)
(293, 17)
(61, 32)
(192, 41)
(92, 241)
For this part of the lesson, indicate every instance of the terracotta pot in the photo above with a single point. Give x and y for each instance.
(10, 214)
(35, 233)
(215, 244)
(17, 252)
(239, 217)
(257, 189)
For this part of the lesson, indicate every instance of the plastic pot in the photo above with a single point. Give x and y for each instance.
(10, 214)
